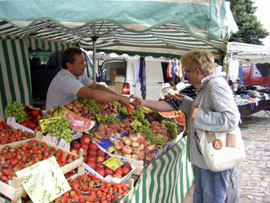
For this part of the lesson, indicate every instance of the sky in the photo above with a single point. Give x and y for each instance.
(262, 12)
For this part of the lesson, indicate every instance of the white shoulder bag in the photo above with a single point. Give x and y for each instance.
(221, 150)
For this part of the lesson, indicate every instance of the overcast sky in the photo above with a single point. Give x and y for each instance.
(262, 12)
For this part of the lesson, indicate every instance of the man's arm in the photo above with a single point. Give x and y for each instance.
(100, 95)
(97, 86)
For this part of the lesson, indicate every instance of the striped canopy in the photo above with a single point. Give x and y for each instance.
(153, 26)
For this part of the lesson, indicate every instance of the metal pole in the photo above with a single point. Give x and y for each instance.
(94, 38)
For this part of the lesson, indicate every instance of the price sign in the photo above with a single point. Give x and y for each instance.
(44, 181)
(45, 122)
(113, 163)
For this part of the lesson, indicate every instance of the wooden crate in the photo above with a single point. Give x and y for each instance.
(16, 191)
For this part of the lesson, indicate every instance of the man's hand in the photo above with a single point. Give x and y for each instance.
(137, 103)
(124, 100)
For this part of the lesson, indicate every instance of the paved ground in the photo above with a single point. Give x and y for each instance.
(254, 172)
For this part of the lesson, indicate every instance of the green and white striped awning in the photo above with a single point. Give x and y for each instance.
(153, 26)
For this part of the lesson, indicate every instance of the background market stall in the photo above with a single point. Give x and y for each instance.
(144, 27)
(243, 60)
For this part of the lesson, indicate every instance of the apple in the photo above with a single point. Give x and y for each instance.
(102, 126)
(135, 144)
(92, 164)
(141, 147)
(127, 141)
(151, 147)
(127, 149)
(118, 144)
(135, 156)
(85, 140)
(91, 158)
(75, 151)
(92, 152)
(75, 144)
(119, 171)
(133, 137)
(100, 165)
(100, 158)
(35, 113)
(93, 146)
(117, 175)
(100, 153)
(98, 135)
(135, 150)
(108, 171)
(85, 147)
(118, 153)
(101, 171)
(125, 170)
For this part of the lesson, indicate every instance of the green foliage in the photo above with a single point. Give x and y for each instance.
(251, 29)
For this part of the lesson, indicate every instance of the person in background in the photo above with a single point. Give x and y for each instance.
(70, 83)
(217, 112)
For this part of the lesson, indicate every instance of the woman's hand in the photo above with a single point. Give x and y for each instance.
(194, 112)
(179, 97)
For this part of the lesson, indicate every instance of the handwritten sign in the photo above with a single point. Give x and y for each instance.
(44, 181)
(45, 122)
(113, 163)
(79, 123)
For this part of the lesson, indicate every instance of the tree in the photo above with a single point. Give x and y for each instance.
(250, 28)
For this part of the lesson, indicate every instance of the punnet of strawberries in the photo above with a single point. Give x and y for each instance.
(14, 159)
(9, 135)
(88, 188)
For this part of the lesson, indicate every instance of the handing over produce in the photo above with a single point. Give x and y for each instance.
(70, 83)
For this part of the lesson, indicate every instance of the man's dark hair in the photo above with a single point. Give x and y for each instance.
(69, 56)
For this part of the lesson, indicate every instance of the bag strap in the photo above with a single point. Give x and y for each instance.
(200, 103)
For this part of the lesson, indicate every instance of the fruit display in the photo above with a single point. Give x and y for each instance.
(135, 146)
(13, 159)
(16, 109)
(33, 117)
(60, 129)
(88, 188)
(94, 157)
(10, 135)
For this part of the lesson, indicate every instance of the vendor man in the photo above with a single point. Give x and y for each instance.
(70, 83)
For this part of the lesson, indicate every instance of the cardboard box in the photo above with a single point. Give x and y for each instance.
(118, 87)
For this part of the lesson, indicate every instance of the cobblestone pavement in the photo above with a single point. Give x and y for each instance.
(254, 172)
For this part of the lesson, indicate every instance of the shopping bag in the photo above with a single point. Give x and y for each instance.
(221, 150)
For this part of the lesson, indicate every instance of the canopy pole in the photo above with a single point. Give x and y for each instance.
(94, 38)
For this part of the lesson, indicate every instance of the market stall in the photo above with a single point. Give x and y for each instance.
(248, 74)
(130, 27)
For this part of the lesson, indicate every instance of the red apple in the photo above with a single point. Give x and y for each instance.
(100, 153)
(35, 113)
(100, 158)
(117, 175)
(85, 147)
(119, 171)
(92, 152)
(91, 158)
(101, 171)
(75, 144)
(92, 164)
(75, 151)
(85, 140)
(125, 170)
(108, 171)
(100, 165)
(93, 146)
(133, 137)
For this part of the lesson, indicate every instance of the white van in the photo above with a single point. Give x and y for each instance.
(119, 70)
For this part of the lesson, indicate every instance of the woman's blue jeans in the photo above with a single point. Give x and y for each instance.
(211, 187)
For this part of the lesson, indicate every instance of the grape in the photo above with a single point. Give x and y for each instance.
(17, 110)
(60, 129)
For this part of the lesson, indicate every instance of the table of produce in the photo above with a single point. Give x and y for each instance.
(117, 145)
